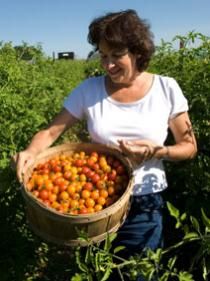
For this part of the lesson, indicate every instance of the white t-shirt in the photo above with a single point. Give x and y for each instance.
(109, 120)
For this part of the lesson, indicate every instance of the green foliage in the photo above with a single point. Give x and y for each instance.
(29, 53)
(93, 68)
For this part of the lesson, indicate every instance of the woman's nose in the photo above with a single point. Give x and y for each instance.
(109, 63)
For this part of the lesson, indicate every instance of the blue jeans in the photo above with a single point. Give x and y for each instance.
(142, 227)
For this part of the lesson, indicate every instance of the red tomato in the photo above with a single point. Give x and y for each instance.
(88, 186)
(43, 194)
(83, 211)
(78, 162)
(67, 175)
(120, 170)
(112, 175)
(85, 170)
(94, 154)
(95, 178)
(90, 162)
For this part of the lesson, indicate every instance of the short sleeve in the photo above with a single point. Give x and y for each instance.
(74, 102)
(179, 102)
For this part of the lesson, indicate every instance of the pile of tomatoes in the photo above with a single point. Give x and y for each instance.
(79, 183)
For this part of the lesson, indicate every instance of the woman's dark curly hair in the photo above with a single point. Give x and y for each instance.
(124, 30)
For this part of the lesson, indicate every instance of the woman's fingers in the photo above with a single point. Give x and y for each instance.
(21, 161)
(139, 150)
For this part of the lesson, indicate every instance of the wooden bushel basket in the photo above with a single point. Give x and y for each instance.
(64, 229)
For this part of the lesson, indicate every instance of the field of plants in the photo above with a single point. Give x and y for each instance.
(32, 90)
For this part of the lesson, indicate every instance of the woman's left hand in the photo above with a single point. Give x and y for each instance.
(138, 150)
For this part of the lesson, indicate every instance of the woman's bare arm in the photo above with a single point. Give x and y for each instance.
(42, 140)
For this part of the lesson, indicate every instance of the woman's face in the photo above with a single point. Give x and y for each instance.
(120, 65)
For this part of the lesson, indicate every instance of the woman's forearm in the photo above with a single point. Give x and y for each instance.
(40, 141)
(176, 152)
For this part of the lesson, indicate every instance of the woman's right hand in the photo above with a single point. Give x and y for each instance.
(21, 161)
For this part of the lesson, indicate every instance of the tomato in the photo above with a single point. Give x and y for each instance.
(88, 186)
(35, 193)
(94, 154)
(112, 175)
(81, 201)
(85, 194)
(90, 162)
(94, 194)
(55, 189)
(64, 195)
(67, 175)
(93, 158)
(56, 168)
(79, 186)
(48, 185)
(120, 170)
(30, 185)
(90, 210)
(96, 167)
(85, 170)
(89, 202)
(55, 205)
(98, 207)
(75, 196)
(78, 162)
(52, 197)
(83, 177)
(58, 180)
(39, 180)
(111, 190)
(83, 211)
(116, 163)
(101, 184)
(90, 174)
(73, 212)
(71, 189)
(103, 193)
(95, 178)
(101, 200)
(43, 194)
(63, 185)
(74, 204)
(82, 154)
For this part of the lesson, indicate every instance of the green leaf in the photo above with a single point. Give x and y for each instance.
(185, 276)
(171, 262)
(183, 217)
(195, 223)
(164, 277)
(108, 242)
(205, 219)
(118, 249)
(82, 266)
(77, 277)
(107, 274)
(191, 235)
(174, 212)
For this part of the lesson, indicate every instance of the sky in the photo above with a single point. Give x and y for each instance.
(62, 26)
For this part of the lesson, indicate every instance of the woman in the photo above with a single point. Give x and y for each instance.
(132, 109)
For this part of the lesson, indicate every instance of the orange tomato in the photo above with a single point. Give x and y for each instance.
(85, 194)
